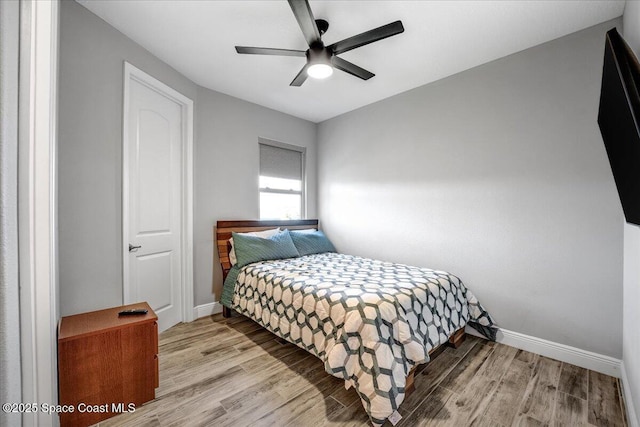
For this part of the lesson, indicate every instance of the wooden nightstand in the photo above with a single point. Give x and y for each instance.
(106, 362)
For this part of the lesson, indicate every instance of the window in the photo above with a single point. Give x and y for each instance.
(281, 181)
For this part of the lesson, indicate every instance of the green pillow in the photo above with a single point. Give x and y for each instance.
(251, 249)
(311, 243)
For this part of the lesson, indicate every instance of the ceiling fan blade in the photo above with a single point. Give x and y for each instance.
(351, 68)
(304, 16)
(367, 37)
(269, 51)
(301, 77)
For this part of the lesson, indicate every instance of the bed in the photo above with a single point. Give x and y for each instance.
(370, 322)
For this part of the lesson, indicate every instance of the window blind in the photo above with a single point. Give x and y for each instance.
(279, 162)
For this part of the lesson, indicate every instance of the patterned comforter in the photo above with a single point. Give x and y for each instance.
(369, 321)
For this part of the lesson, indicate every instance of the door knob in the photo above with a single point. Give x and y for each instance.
(133, 248)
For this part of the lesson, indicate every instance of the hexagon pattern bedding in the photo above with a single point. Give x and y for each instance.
(369, 321)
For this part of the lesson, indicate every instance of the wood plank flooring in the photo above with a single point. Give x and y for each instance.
(231, 372)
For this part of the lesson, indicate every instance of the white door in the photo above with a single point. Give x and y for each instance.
(153, 174)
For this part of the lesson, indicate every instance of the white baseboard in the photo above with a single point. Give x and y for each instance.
(564, 353)
(632, 417)
(206, 310)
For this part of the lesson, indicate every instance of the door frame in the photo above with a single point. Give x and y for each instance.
(186, 239)
(37, 205)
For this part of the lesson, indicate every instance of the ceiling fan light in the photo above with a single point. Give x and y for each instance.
(319, 71)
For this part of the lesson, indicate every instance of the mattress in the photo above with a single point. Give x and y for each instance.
(369, 321)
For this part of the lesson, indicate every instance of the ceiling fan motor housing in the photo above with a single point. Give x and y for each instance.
(318, 54)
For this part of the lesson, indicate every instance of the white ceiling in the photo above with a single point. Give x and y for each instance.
(441, 38)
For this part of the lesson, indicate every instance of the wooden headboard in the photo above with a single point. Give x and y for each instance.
(223, 231)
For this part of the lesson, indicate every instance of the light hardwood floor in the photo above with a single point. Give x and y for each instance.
(231, 372)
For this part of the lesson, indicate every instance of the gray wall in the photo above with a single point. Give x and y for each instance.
(499, 175)
(227, 170)
(631, 315)
(10, 383)
(90, 156)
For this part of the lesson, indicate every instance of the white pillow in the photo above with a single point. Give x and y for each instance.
(264, 234)
(305, 230)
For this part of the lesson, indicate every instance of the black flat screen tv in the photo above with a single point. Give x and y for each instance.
(618, 120)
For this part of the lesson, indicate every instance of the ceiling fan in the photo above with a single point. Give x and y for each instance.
(321, 59)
